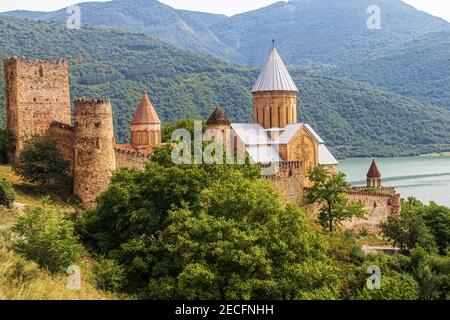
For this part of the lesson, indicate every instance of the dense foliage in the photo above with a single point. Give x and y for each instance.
(44, 235)
(328, 193)
(419, 225)
(5, 144)
(41, 162)
(354, 119)
(7, 193)
(208, 232)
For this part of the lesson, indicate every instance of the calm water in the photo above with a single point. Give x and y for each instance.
(426, 178)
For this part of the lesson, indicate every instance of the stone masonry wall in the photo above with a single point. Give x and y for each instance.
(129, 159)
(65, 137)
(289, 181)
(36, 94)
(379, 206)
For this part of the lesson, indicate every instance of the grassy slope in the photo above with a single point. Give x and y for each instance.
(21, 279)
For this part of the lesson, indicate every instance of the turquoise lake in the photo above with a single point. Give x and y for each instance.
(427, 178)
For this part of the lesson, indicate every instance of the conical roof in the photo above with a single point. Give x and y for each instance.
(218, 117)
(274, 75)
(145, 113)
(373, 172)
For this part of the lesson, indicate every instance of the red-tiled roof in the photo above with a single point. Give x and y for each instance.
(145, 113)
(373, 172)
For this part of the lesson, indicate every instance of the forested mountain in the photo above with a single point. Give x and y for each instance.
(418, 69)
(354, 119)
(408, 55)
(184, 29)
(309, 32)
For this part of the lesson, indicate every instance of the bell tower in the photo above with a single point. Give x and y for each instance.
(274, 94)
(374, 176)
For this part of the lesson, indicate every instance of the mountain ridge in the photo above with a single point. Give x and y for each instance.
(354, 119)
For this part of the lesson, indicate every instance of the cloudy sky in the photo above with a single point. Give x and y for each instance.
(439, 8)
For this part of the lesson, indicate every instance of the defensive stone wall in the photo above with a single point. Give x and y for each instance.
(287, 179)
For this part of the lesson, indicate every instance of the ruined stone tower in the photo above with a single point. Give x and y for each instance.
(94, 154)
(36, 95)
(274, 95)
(145, 126)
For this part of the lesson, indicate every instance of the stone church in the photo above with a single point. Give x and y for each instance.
(37, 101)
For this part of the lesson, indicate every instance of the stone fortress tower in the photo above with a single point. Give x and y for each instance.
(94, 153)
(274, 94)
(36, 94)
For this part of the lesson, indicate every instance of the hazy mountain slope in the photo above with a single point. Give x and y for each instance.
(184, 29)
(356, 119)
(324, 31)
(418, 69)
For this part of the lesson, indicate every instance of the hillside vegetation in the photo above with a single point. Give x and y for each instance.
(409, 55)
(418, 69)
(354, 119)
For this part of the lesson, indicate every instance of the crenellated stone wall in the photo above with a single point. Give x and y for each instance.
(378, 205)
(129, 159)
(287, 179)
(64, 135)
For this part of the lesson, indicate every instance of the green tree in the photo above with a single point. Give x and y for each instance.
(437, 219)
(6, 139)
(7, 194)
(208, 232)
(408, 229)
(45, 236)
(328, 192)
(41, 161)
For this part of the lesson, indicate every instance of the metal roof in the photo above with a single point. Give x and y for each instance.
(288, 133)
(274, 75)
(251, 134)
(325, 156)
(263, 154)
(313, 133)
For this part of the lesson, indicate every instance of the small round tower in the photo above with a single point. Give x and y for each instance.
(274, 94)
(94, 154)
(145, 125)
(219, 125)
(374, 176)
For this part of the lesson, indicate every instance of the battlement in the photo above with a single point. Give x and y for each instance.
(15, 59)
(90, 102)
(131, 153)
(379, 192)
(275, 170)
(62, 126)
